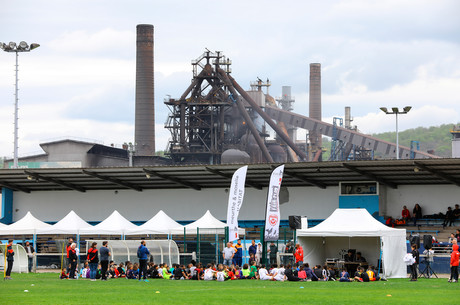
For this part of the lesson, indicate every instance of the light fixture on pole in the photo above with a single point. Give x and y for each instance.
(12, 47)
(396, 111)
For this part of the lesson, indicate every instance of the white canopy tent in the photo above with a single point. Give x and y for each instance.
(355, 229)
(70, 224)
(207, 224)
(115, 224)
(161, 223)
(27, 225)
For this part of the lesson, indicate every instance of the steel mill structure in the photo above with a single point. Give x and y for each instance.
(216, 121)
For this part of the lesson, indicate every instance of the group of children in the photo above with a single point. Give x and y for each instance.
(220, 272)
(361, 275)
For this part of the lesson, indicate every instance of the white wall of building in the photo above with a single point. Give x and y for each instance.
(186, 204)
(180, 204)
(432, 198)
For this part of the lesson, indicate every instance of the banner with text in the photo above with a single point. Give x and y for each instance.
(235, 200)
(272, 218)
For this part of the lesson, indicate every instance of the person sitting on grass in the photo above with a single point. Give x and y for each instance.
(325, 273)
(245, 272)
(130, 272)
(331, 273)
(318, 272)
(63, 275)
(166, 273)
(209, 273)
(220, 275)
(121, 270)
(289, 274)
(361, 275)
(179, 273)
(344, 276)
(84, 272)
(253, 270)
(310, 274)
(263, 274)
(238, 273)
(372, 274)
(279, 275)
(301, 273)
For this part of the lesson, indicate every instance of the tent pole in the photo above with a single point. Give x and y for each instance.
(380, 259)
(198, 244)
(217, 249)
(35, 255)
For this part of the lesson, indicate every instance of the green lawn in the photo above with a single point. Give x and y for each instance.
(46, 288)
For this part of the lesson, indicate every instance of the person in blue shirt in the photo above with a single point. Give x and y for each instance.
(252, 251)
(143, 255)
(238, 257)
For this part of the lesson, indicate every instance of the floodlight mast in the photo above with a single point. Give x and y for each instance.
(396, 111)
(21, 47)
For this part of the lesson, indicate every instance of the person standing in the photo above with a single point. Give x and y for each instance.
(454, 260)
(9, 259)
(228, 254)
(429, 259)
(93, 261)
(104, 254)
(252, 251)
(413, 267)
(298, 254)
(417, 213)
(238, 258)
(273, 250)
(143, 255)
(30, 255)
(67, 249)
(259, 252)
(73, 261)
(289, 250)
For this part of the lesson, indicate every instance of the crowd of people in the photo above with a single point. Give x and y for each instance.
(98, 266)
(407, 217)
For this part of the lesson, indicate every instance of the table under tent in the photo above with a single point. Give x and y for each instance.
(355, 229)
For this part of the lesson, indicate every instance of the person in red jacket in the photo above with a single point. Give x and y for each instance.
(93, 260)
(9, 259)
(298, 254)
(454, 259)
(405, 214)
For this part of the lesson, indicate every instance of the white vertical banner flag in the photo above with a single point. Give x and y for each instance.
(272, 218)
(235, 200)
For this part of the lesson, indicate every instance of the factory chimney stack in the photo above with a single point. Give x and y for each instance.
(144, 132)
(315, 103)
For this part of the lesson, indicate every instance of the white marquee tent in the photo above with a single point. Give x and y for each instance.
(207, 224)
(27, 225)
(115, 224)
(355, 229)
(161, 223)
(70, 224)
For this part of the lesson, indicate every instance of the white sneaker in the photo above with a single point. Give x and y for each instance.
(454, 281)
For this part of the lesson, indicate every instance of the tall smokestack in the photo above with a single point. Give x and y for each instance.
(145, 106)
(315, 103)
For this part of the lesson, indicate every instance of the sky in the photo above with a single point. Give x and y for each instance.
(80, 83)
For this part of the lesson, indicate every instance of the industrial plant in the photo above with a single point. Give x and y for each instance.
(216, 121)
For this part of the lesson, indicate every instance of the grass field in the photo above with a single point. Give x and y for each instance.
(46, 288)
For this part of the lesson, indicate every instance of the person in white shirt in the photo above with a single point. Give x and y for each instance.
(209, 273)
(228, 254)
(220, 276)
(263, 274)
(280, 274)
(258, 253)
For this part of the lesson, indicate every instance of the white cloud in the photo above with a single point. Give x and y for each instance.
(81, 81)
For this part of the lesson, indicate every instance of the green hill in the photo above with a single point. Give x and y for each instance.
(436, 138)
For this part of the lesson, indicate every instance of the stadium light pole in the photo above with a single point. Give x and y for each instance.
(396, 111)
(21, 47)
